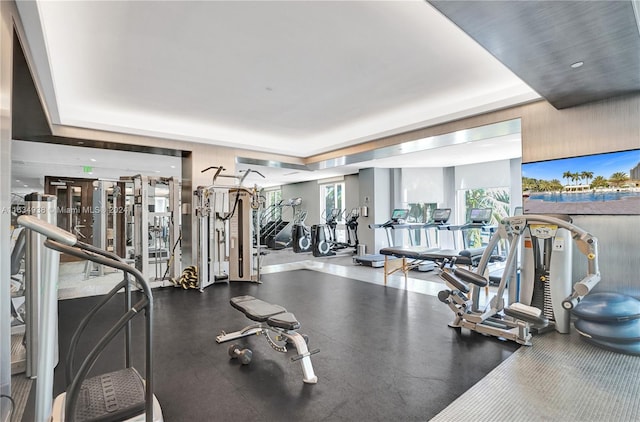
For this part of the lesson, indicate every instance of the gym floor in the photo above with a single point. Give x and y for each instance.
(386, 354)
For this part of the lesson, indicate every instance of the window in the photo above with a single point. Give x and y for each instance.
(498, 199)
(272, 197)
(332, 198)
(332, 203)
(420, 213)
(271, 211)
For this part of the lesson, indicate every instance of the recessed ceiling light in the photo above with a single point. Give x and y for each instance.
(92, 159)
(173, 167)
(26, 186)
(576, 65)
(17, 181)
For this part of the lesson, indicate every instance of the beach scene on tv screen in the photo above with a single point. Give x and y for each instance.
(593, 184)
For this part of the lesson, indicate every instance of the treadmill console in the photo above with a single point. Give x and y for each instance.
(441, 215)
(480, 215)
(399, 215)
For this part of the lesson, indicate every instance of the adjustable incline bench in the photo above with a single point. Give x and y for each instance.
(276, 319)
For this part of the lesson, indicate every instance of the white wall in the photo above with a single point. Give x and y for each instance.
(494, 174)
(308, 191)
(422, 185)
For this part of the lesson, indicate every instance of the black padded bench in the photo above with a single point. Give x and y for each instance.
(469, 257)
(275, 319)
(261, 311)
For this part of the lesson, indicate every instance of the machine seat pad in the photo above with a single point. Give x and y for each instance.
(472, 253)
(470, 277)
(455, 281)
(413, 252)
(446, 254)
(286, 321)
(115, 396)
(256, 309)
(527, 313)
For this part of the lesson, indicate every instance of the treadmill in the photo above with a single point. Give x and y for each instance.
(439, 220)
(479, 219)
(398, 216)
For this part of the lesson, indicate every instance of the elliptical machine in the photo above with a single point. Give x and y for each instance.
(352, 229)
(300, 233)
(323, 235)
(321, 244)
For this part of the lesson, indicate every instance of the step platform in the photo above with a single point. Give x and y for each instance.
(371, 260)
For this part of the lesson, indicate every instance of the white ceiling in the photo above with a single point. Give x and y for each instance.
(296, 78)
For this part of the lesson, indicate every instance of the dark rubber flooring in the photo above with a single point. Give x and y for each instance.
(386, 354)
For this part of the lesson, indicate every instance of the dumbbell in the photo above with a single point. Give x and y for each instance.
(243, 355)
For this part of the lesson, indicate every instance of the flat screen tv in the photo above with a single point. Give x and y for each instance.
(606, 183)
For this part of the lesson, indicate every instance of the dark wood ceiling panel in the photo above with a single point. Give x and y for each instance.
(539, 40)
(28, 115)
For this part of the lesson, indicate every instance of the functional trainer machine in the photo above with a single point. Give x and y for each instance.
(108, 221)
(120, 395)
(211, 204)
(270, 319)
(228, 247)
(156, 229)
(513, 322)
(244, 235)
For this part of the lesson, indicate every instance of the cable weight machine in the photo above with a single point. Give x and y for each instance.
(228, 247)
(156, 228)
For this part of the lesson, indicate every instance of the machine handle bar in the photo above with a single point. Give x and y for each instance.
(47, 229)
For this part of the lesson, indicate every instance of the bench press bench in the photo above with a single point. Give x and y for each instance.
(275, 319)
